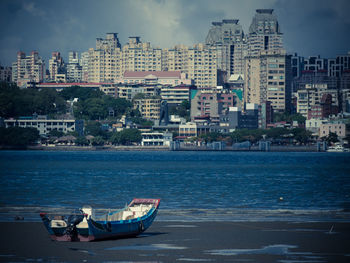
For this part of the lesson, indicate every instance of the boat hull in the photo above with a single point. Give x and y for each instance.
(98, 230)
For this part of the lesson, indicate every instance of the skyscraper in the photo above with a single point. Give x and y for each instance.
(228, 38)
(264, 33)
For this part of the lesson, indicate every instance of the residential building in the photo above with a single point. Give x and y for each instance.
(176, 95)
(234, 118)
(148, 107)
(264, 33)
(314, 125)
(268, 78)
(28, 68)
(228, 38)
(128, 92)
(84, 63)
(345, 100)
(324, 109)
(336, 66)
(139, 56)
(311, 77)
(315, 64)
(56, 65)
(297, 65)
(104, 61)
(312, 96)
(265, 114)
(199, 62)
(74, 69)
(5, 74)
(338, 128)
(44, 125)
(211, 104)
(170, 78)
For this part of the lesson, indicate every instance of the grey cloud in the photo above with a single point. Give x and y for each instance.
(310, 27)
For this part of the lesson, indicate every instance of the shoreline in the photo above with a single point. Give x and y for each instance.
(183, 241)
(312, 148)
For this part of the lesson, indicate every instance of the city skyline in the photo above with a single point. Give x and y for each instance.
(322, 25)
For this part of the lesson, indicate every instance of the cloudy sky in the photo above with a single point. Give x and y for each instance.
(310, 27)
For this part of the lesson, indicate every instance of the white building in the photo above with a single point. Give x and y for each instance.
(156, 138)
(44, 126)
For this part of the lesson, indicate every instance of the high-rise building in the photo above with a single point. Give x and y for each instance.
(139, 56)
(311, 96)
(84, 62)
(56, 65)
(228, 38)
(199, 62)
(74, 69)
(107, 63)
(28, 68)
(268, 78)
(336, 66)
(104, 61)
(315, 64)
(264, 33)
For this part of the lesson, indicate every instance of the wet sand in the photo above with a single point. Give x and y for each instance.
(285, 242)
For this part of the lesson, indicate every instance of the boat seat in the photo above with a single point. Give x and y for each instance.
(83, 224)
(58, 223)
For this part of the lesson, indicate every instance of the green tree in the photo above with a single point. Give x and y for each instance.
(81, 140)
(301, 135)
(126, 137)
(331, 138)
(82, 93)
(98, 141)
(16, 102)
(16, 136)
(93, 128)
(278, 117)
(182, 110)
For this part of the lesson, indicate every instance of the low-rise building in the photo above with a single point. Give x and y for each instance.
(156, 138)
(314, 125)
(236, 119)
(44, 125)
(193, 129)
(338, 128)
(212, 104)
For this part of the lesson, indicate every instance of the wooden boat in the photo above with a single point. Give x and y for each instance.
(129, 221)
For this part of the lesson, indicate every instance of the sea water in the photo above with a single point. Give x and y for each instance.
(192, 186)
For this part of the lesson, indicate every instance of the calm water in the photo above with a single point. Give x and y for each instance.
(192, 185)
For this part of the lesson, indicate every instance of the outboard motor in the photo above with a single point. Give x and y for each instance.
(72, 222)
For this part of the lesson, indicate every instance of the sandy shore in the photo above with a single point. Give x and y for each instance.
(177, 241)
